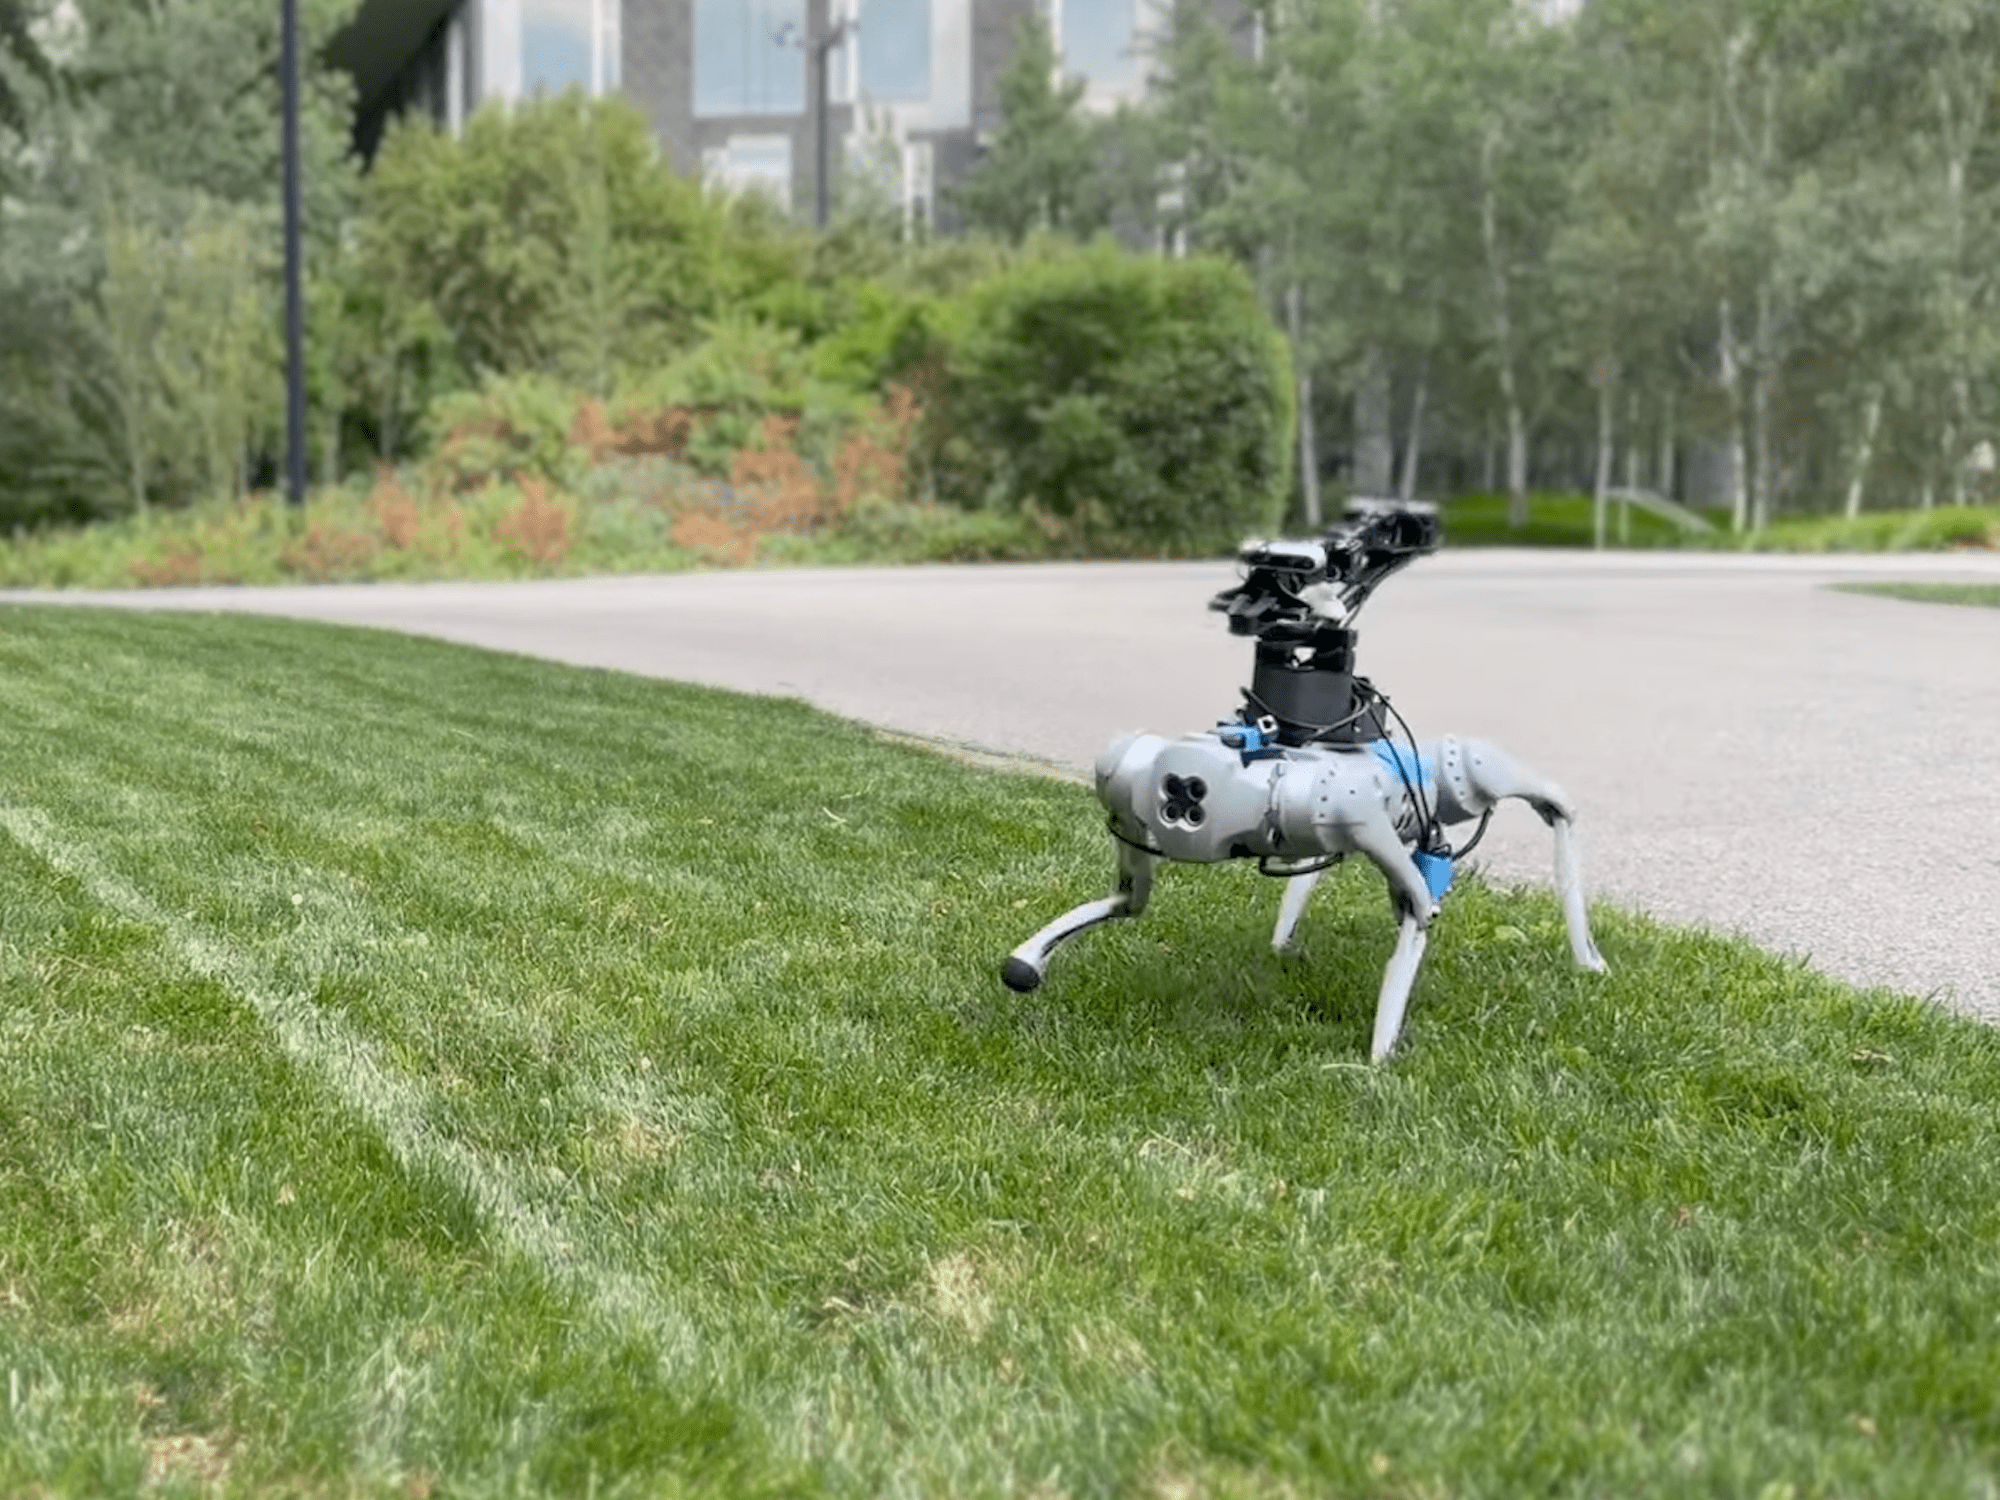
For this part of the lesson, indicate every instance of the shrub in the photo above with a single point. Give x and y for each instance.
(511, 425)
(1148, 400)
(719, 397)
(550, 236)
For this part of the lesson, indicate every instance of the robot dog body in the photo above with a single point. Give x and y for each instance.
(1299, 798)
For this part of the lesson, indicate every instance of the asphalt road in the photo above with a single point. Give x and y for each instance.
(1751, 751)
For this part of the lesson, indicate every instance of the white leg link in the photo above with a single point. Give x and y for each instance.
(1397, 980)
(1026, 965)
(1569, 883)
(1298, 890)
(1475, 775)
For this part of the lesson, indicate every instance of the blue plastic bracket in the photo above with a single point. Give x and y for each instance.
(1437, 870)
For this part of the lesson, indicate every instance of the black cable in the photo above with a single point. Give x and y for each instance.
(1313, 731)
(1477, 834)
(1430, 833)
(1264, 867)
(1119, 834)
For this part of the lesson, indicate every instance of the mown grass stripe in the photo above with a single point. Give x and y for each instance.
(350, 1065)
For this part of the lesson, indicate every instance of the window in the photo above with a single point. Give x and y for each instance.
(569, 44)
(896, 50)
(556, 45)
(1098, 42)
(752, 164)
(740, 65)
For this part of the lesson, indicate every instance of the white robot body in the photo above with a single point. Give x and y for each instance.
(1309, 775)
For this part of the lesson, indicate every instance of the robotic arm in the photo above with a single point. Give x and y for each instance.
(1294, 591)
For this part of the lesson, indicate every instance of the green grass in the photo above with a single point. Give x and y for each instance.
(1565, 520)
(1554, 520)
(1945, 528)
(429, 1072)
(1986, 594)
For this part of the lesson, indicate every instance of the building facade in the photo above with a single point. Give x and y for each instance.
(730, 85)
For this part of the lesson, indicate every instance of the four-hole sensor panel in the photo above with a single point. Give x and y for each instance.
(1180, 801)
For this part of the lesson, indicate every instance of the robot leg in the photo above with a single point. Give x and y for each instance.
(1475, 774)
(1027, 964)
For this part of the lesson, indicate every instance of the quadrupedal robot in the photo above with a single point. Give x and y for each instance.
(1309, 771)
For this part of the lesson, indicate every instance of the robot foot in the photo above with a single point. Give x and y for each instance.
(1026, 965)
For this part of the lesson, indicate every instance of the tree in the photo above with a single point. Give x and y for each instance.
(550, 236)
(137, 250)
(1042, 172)
(18, 43)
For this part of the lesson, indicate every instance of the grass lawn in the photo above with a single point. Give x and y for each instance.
(1944, 528)
(1554, 520)
(1987, 594)
(426, 1072)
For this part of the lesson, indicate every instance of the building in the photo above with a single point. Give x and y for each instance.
(912, 85)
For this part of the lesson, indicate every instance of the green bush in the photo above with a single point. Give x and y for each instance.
(1147, 400)
(518, 424)
(553, 236)
(734, 382)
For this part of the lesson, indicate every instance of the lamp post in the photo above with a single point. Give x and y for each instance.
(295, 301)
(819, 46)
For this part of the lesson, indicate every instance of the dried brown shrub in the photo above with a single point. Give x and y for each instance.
(865, 466)
(591, 430)
(394, 508)
(905, 412)
(778, 487)
(180, 567)
(711, 536)
(328, 551)
(661, 434)
(539, 525)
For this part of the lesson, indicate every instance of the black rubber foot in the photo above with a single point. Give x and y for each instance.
(1019, 975)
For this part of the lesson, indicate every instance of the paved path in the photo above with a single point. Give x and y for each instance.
(1751, 750)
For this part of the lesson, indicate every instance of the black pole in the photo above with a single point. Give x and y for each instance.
(817, 46)
(821, 48)
(295, 298)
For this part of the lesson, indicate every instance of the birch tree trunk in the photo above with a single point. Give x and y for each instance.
(1607, 381)
(1413, 446)
(1308, 438)
(1374, 442)
(1958, 131)
(1633, 458)
(1664, 474)
(1503, 332)
(1731, 378)
(1864, 454)
(1763, 383)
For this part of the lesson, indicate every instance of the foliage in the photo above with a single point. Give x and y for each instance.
(138, 264)
(1148, 400)
(1558, 519)
(552, 237)
(1980, 595)
(181, 330)
(731, 384)
(1944, 528)
(19, 45)
(1042, 170)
